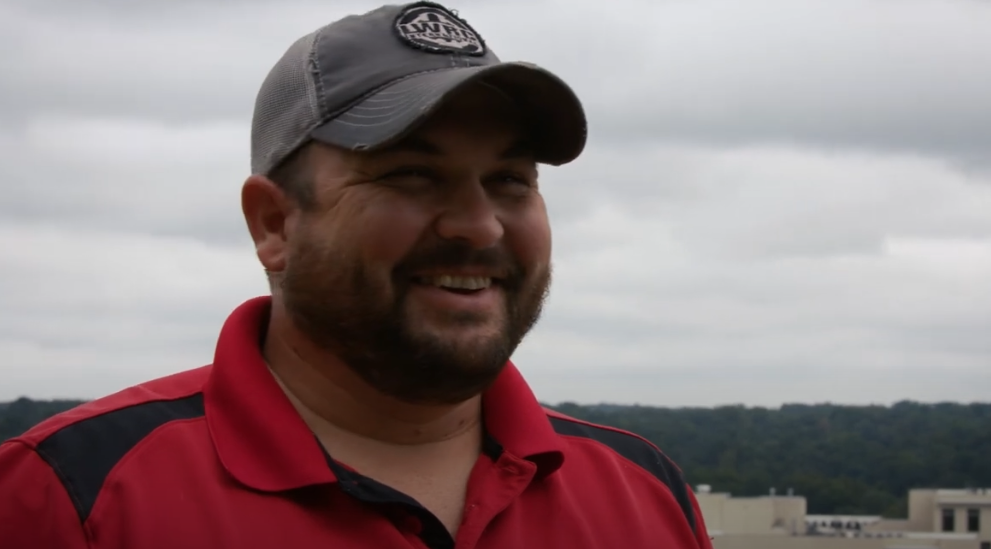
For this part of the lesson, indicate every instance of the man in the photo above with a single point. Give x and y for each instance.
(370, 400)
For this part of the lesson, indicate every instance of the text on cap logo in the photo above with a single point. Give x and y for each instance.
(432, 28)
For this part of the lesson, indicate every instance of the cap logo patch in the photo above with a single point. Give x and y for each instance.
(432, 28)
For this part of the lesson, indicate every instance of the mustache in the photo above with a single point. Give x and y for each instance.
(456, 254)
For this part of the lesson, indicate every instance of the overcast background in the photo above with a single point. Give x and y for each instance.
(781, 200)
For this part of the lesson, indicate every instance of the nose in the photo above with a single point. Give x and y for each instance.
(470, 216)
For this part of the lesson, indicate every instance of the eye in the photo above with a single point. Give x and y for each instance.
(512, 179)
(409, 172)
(410, 178)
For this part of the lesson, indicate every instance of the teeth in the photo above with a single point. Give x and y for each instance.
(460, 282)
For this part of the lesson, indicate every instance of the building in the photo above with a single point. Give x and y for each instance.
(938, 519)
(771, 514)
(959, 511)
(840, 524)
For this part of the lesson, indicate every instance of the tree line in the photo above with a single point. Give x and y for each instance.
(843, 459)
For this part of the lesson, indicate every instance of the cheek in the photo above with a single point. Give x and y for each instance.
(384, 231)
(529, 236)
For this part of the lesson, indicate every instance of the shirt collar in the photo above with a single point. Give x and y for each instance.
(264, 443)
(515, 418)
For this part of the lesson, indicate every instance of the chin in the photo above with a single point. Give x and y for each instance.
(466, 339)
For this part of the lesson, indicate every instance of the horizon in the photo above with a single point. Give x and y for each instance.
(655, 406)
(756, 218)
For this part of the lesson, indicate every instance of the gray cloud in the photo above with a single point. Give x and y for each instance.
(781, 201)
(756, 202)
(127, 175)
(885, 75)
(842, 73)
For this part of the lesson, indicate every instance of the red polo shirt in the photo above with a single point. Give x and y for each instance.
(217, 457)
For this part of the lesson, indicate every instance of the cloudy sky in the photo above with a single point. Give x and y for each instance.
(781, 200)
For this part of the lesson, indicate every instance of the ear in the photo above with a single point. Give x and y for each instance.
(268, 213)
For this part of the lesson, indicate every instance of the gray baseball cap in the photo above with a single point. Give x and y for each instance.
(366, 81)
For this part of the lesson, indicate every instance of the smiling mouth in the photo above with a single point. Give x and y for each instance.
(458, 284)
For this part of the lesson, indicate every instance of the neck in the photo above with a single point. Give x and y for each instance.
(326, 392)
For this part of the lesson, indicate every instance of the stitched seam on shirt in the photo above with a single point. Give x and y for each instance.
(639, 468)
(76, 504)
(130, 455)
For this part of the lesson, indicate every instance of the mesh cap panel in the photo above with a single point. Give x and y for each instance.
(366, 80)
(286, 109)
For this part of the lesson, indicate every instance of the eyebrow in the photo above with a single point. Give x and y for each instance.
(521, 148)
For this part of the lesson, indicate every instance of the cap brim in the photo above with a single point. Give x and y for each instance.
(552, 112)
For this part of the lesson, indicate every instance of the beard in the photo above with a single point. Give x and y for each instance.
(367, 321)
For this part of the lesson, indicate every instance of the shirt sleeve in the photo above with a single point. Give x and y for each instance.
(35, 509)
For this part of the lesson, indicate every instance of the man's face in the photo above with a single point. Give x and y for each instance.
(423, 266)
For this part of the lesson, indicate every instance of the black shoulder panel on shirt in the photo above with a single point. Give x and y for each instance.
(638, 451)
(84, 453)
